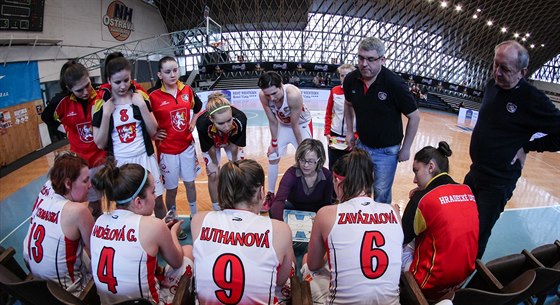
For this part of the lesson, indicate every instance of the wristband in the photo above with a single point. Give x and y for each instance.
(274, 143)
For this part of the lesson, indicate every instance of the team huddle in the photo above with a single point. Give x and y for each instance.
(358, 246)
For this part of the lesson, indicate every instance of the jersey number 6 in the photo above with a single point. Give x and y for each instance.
(229, 274)
(371, 243)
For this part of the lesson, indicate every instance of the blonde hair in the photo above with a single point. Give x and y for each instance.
(217, 103)
(346, 67)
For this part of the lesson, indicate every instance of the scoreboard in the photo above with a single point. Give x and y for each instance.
(22, 15)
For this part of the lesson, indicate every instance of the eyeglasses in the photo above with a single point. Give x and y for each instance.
(308, 162)
(369, 59)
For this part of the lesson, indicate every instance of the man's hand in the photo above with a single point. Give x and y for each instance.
(404, 155)
(521, 156)
(350, 140)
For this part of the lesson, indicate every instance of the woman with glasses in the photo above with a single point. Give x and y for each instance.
(60, 226)
(240, 257)
(220, 126)
(362, 240)
(307, 185)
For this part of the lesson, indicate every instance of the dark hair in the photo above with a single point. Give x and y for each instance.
(108, 59)
(117, 65)
(439, 155)
(67, 165)
(269, 79)
(357, 170)
(238, 182)
(309, 145)
(164, 60)
(71, 73)
(120, 183)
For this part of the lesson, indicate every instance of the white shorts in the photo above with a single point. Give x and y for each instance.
(183, 165)
(93, 194)
(168, 287)
(208, 161)
(149, 163)
(319, 282)
(286, 136)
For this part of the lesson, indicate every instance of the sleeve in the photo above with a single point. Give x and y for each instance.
(202, 124)
(284, 189)
(402, 96)
(348, 84)
(197, 103)
(546, 143)
(544, 116)
(97, 112)
(48, 115)
(419, 222)
(329, 114)
(240, 139)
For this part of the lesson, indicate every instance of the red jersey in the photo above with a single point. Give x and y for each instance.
(76, 119)
(173, 115)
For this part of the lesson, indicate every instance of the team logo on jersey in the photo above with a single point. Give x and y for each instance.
(85, 132)
(511, 107)
(382, 96)
(127, 132)
(284, 116)
(185, 97)
(179, 119)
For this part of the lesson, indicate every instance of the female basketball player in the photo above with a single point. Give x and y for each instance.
(60, 226)
(363, 239)
(172, 105)
(306, 186)
(74, 113)
(442, 218)
(126, 241)
(124, 125)
(240, 257)
(220, 126)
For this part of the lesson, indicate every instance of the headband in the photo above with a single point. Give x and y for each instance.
(137, 191)
(219, 108)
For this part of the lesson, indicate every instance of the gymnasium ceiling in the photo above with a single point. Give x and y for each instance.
(466, 37)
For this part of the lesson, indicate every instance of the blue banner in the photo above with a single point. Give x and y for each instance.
(19, 83)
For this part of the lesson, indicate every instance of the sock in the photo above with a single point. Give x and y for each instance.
(216, 206)
(193, 207)
(272, 176)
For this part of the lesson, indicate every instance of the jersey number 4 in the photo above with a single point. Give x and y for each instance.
(229, 275)
(105, 269)
(371, 243)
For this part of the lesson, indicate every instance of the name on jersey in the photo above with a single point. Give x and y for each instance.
(366, 218)
(122, 234)
(243, 239)
(47, 215)
(456, 198)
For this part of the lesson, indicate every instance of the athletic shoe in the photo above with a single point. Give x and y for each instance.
(268, 202)
(182, 235)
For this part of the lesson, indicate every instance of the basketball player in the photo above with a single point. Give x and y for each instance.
(220, 126)
(60, 226)
(362, 239)
(289, 121)
(240, 257)
(126, 241)
(172, 105)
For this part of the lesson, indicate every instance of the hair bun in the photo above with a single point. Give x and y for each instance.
(444, 148)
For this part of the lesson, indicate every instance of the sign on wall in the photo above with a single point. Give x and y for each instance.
(19, 83)
(117, 20)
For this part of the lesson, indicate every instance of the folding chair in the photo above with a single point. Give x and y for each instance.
(30, 291)
(87, 296)
(185, 293)
(301, 292)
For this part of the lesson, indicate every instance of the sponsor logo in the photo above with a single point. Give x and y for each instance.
(72, 113)
(238, 67)
(237, 219)
(453, 87)
(118, 20)
(427, 81)
(511, 107)
(321, 68)
(185, 97)
(382, 96)
(164, 103)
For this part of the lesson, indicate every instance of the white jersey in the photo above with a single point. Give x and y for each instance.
(364, 254)
(49, 254)
(234, 259)
(121, 268)
(283, 113)
(127, 137)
